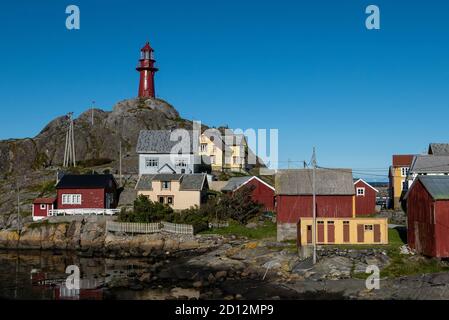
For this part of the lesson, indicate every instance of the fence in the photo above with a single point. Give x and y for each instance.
(133, 227)
(82, 212)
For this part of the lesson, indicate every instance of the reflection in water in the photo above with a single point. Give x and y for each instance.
(41, 275)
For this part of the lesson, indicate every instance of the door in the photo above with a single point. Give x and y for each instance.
(377, 233)
(309, 234)
(330, 232)
(346, 231)
(360, 233)
(320, 231)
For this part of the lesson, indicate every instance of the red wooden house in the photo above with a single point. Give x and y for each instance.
(428, 216)
(263, 193)
(294, 197)
(81, 194)
(41, 207)
(365, 198)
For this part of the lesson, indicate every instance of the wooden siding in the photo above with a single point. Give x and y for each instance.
(365, 205)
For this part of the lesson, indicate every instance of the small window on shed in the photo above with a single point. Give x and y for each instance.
(360, 192)
(43, 206)
(368, 227)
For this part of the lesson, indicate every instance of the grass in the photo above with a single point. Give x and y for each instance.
(268, 230)
(403, 265)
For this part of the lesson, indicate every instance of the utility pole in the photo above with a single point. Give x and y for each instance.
(120, 163)
(314, 204)
(92, 112)
(19, 227)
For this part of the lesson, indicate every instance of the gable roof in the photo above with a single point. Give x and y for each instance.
(193, 182)
(88, 181)
(439, 149)
(402, 160)
(165, 141)
(366, 183)
(328, 182)
(44, 200)
(437, 186)
(235, 183)
(430, 164)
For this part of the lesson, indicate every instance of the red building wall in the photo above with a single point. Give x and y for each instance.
(38, 212)
(262, 194)
(365, 205)
(90, 198)
(421, 231)
(292, 207)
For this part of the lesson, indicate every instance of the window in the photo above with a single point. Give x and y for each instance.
(214, 149)
(71, 199)
(320, 222)
(404, 171)
(234, 160)
(181, 163)
(330, 222)
(360, 192)
(345, 222)
(161, 199)
(165, 185)
(151, 162)
(368, 227)
(43, 206)
(212, 159)
(170, 200)
(203, 147)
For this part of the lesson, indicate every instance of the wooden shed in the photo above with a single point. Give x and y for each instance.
(365, 198)
(428, 216)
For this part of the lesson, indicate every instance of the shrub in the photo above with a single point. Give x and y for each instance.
(145, 210)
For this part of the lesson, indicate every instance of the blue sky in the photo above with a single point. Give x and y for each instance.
(308, 68)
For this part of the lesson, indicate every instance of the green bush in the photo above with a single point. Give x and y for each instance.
(145, 210)
(193, 216)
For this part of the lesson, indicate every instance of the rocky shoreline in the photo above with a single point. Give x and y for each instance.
(88, 236)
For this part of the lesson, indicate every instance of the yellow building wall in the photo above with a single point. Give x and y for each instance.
(212, 149)
(353, 222)
(398, 187)
(181, 199)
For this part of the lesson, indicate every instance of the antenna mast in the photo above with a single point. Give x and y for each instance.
(69, 152)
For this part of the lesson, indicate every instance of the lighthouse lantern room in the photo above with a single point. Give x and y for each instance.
(147, 70)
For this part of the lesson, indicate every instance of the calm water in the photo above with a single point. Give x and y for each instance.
(41, 275)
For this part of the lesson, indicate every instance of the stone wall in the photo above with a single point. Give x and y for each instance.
(286, 231)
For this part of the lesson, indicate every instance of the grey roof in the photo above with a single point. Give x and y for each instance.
(163, 141)
(328, 182)
(217, 185)
(439, 149)
(437, 186)
(430, 164)
(193, 181)
(235, 182)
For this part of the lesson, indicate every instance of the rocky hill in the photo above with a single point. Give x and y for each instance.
(32, 162)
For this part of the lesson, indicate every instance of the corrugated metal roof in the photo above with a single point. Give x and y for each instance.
(193, 181)
(437, 186)
(430, 164)
(161, 141)
(439, 149)
(328, 182)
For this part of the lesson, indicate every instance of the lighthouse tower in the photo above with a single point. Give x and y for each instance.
(147, 71)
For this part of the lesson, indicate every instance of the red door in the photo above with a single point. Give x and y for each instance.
(377, 233)
(309, 234)
(360, 233)
(346, 232)
(320, 232)
(330, 232)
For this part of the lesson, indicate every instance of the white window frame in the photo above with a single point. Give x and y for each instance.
(151, 162)
(168, 185)
(43, 206)
(362, 194)
(182, 163)
(72, 199)
(404, 171)
(203, 147)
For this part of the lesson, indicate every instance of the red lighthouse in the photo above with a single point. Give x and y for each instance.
(147, 71)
